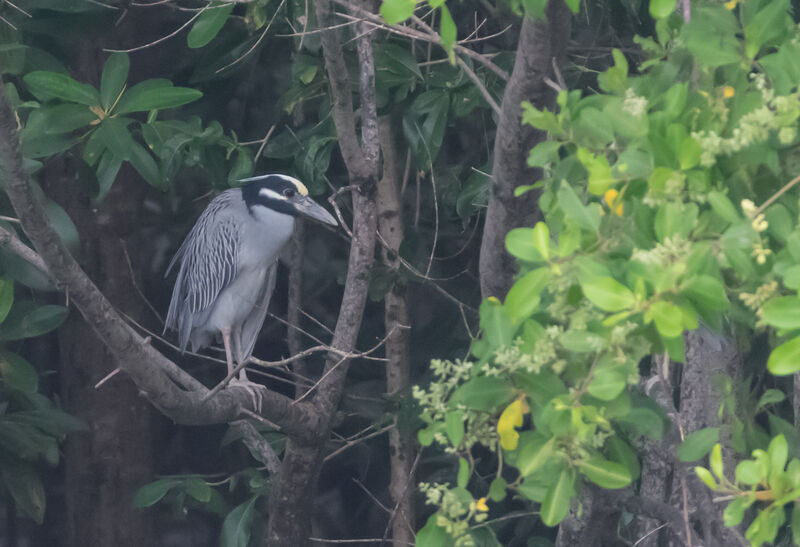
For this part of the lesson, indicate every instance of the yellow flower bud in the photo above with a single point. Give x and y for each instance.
(728, 91)
(480, 505)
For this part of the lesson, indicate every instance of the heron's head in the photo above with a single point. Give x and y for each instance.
(283, 194)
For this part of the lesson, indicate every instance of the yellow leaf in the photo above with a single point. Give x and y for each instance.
(614, 204)
(728, 91)
(509, 439)
(732, 4)
(480, 505)
(509, 420)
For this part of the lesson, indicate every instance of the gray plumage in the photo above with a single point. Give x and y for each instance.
(228, 263)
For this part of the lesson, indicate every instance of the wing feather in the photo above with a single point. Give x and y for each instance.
(207, 261)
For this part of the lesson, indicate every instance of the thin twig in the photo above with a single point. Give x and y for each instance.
(777, 194)
(482, 88)
(264, 142)
(163, 38)
(351, 444)
(257, 42)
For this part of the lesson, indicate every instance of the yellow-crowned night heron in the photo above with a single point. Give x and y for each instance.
(228, 263)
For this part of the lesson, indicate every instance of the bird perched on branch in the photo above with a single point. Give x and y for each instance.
(228, 263)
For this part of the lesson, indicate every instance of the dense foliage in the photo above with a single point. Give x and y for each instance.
(651, 228)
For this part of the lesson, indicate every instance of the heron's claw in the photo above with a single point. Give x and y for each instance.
(254, 390)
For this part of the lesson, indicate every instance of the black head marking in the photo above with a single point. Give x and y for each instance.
(277, 192)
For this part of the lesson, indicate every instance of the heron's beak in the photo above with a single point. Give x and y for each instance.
(310, 208)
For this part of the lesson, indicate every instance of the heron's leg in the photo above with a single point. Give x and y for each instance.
(226, 341)
(236, 341)
(253, 389)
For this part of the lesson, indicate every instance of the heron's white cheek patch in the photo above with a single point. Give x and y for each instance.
(267, 193)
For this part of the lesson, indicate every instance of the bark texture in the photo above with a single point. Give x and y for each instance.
(106, 464)
(397, 324)
(541, 43)
(291, 499)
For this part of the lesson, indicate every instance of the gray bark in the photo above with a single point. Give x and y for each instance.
(540, 43)
(398, 341)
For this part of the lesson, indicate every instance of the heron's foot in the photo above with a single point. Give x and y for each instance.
(254, 390)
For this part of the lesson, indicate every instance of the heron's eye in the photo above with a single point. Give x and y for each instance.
(289, 193)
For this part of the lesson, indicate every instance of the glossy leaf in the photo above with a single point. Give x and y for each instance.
(607, 384)
(782, 312)
(496, 323)
(112, 82)
(608, 294)
(208, 24)
(17, 373)
(785, 359)
(523, 298)
(556, 501)
(697, 444)
(521, 243)
(483, 393)
(237, 526)
(33, 322)
(47, 85)
(606, 474)
(152, 493)
(141, 98)
(585, 217)
(454, 426)
(397, 11)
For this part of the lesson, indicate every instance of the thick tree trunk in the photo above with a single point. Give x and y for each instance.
(541, 43)
(106, 464)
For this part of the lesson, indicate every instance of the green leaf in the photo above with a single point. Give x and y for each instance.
(734, 512)
(141, 98)
(606, 474)
(534, 450)
(661, 9)
(447, 29)
(585, 217)
(782, 312)
(769, 397)
(715, 461)
(541, 239)
(667, 317)
(523, 298)
(32, 322)
(397, 11)
(27, 490)
(706, 476)
(521, 243)
(208, 24)
(778, 452)
(115, 134)
(748, 472)
(556, 501)
(696, 445)
(772, 19)
(152, 493)
(608, 294)
(785, 359)
(607, 384)
(462, 478)
(433, 535)
(454, 426)
(497, 489)
(112, 82)
(485, 393)
(107, 169)
(198, 489)
(17, 373)
(6, 296)
(238, 525)
(146, 166)
(66, 118)
(707, 292)
(495, 323)
(47, 85)
(796, 523)
(543, 153)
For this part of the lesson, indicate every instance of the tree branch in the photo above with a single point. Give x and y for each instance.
(151, 371)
